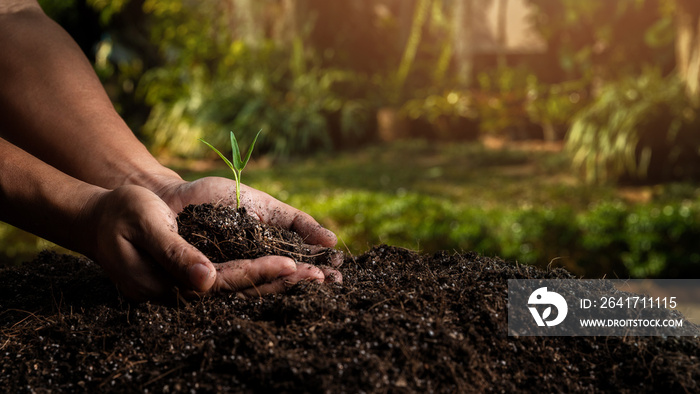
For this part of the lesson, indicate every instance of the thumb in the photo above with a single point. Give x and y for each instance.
(183, 261)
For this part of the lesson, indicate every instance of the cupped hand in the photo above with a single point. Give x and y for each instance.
(260, 205)
(135, 240)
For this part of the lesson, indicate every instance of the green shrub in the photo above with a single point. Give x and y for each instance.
(451, 115)
(211, 76)
(500, 102)
(641, 128)
(662, 240)
(610, 239)
(291, 101)
(554, 105)
(602, 240)
(533, 235)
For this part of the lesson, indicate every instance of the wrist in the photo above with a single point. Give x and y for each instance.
(154, 177)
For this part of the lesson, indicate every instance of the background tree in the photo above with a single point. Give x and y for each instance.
(603, 40)
(463, 41)
(688, 45)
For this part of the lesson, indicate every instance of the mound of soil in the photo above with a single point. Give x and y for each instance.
(400, 322)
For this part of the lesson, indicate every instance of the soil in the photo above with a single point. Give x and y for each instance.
(400, 322)
(224, 233)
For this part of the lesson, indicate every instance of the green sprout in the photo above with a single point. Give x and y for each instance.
(238, 163)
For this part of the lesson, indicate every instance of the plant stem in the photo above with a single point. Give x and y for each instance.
(237, 177)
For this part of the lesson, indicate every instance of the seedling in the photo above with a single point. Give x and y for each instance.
(238, 163)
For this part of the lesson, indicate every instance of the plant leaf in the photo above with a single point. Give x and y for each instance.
(220, 155)
(236, 153)
(250, 150)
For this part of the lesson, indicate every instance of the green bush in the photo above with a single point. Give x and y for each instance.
(500, 102)
(641, 128)
(662, 239)
(451, 115)
(212, 76)
(535, 235)
(554, 105)
(610, 239)
(260, 88)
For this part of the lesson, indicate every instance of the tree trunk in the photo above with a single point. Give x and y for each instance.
(405, 21)
(420, 14)
(246, 22)
(688, 45)
(288, 22)
(502, 32)
(463, 39)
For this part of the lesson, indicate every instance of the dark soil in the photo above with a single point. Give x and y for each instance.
(224, 233)
(400, 322)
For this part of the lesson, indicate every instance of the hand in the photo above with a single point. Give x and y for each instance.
(137, 244)
(178, 194)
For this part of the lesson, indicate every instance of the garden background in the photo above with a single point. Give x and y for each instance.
(548, 132)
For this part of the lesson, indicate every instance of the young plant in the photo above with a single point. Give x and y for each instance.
(238, 163)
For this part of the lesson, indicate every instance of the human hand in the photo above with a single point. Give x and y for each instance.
(137, 244)
(262, 206)
(178, 194)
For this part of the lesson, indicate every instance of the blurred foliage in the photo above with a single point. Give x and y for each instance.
(18, 246)
(448, 116)
(295, 112)
(214, 82)
(312, 81)
(341, 31)
(520, 205)
(605, 39)
(501, 102)
(554, 105)
(640, 128)
(608, 239)
(461, 196)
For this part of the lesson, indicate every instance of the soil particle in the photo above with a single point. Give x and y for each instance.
(400, 322)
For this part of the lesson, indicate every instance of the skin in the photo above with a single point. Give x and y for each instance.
(71, 171)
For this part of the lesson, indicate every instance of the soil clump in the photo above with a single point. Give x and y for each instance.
(224, 233)
(401, 322)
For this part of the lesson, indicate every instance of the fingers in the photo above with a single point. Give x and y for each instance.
(312, 232)
(139, 278)
(187, 264)
(332, 276)
(283, 284)
(138, 245)
(325, 256)
(280, 214)
(242, 274)
(266, 275)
